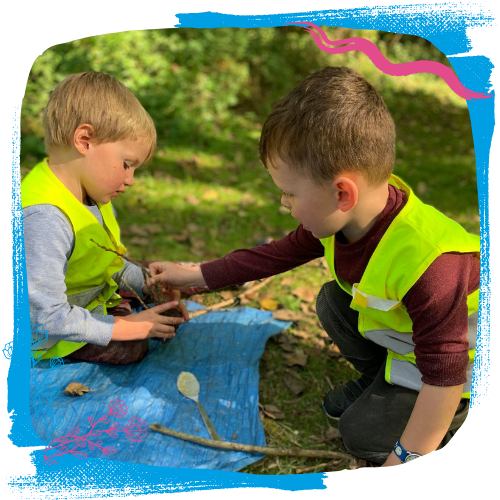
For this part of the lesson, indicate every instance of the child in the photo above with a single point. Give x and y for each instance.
(402, 307)
(96, 134)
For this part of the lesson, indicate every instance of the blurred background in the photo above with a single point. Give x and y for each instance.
(206, 192)
(209, 91)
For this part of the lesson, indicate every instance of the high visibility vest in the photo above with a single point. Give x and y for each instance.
(416, 237)
(89, 282)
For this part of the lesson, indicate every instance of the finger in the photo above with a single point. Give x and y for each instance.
(170, 320)
(184, 311)
(164, 329)
(165, 307)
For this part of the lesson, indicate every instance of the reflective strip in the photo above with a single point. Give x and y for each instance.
(364, 300)
(391, 339)
(401, 371)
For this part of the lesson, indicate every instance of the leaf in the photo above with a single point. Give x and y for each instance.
(272, 411)
(287, 315)
(91, 421)
(80, 443)
(140, 241)
(287, 281)
(293, 384)
(49, 461)
(59, 422)
(307, 309)
(79, 454)
(268, 304)
(333, 351)
(74, 431)
(76, 389)
(226, 295)
(299, 358)
(306, 294)
(137, 230)
(192, 200)
(302, 335)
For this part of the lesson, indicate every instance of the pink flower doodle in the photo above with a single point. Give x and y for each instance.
(135, 430)
(389, 68)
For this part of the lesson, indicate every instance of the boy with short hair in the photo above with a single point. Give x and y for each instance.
(402, 307)
(96, 134)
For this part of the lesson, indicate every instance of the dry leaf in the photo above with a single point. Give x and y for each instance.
(284, 338)
(153, 228)
(287, 281)
(301, 334)
(251, 295)
(299, 357)
(76, 389)
(304, 293)
(192, 227)
(287, 347)
(180, 238)
(197, 298)
(244, 301)
(294, 385)
(314, 352)
(226, 295)
(268, 304)
(287, 315)
(333, 351)
(306, 309)
(272, 411)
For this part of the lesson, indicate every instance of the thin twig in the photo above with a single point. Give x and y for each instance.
(279, 452)
(135, 293)
(130, 259)
(232, 301)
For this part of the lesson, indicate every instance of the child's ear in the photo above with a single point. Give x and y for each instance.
(82, 137)
(346, 193)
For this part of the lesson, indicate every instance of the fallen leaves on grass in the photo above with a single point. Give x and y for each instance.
(268, 304)
(287, 281)
(305, 294)
(226, 295)
(293, 384)
(333, 351)
(298, 357)
(272, 411)
(287, 315)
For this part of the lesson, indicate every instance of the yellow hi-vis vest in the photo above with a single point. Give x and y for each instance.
(88, 279)
(416, 237)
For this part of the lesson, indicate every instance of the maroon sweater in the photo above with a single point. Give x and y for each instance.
(436, 304)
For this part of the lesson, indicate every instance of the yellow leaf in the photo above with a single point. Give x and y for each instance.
(268, 304)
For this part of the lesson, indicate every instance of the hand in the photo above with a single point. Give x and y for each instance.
(147, 324)
(176, 275)
(168, 296)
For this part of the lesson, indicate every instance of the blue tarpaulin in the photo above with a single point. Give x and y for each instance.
(222, 349)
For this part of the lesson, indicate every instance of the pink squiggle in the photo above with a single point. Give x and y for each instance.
(389, 68)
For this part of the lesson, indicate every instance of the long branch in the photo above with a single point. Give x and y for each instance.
(278, 452)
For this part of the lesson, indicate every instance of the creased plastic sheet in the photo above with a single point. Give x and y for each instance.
(222, 349)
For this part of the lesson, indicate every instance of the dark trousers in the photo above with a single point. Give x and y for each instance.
(376, 420)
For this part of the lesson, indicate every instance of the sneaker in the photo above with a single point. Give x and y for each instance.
(339, 399)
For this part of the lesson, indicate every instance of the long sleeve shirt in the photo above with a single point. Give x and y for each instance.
(436, 304)
(49, 242)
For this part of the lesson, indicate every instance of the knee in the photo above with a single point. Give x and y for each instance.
(361, 439)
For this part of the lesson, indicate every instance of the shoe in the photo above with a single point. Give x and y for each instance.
(339, 399)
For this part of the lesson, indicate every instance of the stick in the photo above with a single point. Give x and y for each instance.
(277, 452)
(229, 302)
(130, 259)
(134, 292)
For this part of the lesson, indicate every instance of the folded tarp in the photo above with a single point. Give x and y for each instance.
(222, 349)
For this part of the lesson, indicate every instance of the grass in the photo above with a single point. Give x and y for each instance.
(202, 198)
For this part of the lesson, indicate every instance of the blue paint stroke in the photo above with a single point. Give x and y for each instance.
(445, 25)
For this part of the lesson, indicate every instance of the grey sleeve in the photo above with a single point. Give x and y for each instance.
(132, 274)
(49, 242)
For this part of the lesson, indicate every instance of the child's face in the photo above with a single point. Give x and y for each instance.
(108, 169)
(313, 205)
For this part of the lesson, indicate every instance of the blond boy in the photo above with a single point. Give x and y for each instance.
(96, 135)
(403, 303)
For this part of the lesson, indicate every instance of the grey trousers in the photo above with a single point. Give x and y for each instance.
(375, 421)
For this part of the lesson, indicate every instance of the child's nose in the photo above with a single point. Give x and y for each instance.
(129, 179)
